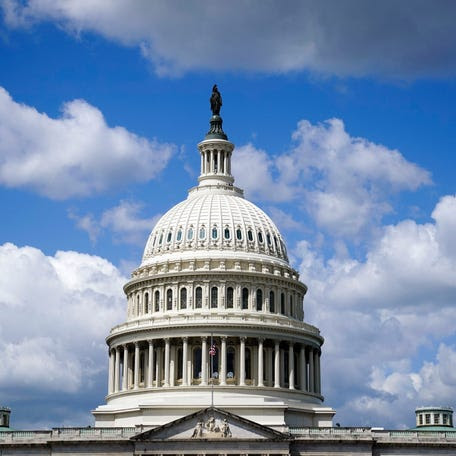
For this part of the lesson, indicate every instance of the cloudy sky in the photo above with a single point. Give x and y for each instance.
(343, 114)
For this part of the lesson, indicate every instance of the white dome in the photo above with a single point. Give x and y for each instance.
(214, 221)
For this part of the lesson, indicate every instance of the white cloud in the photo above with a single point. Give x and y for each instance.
(400, 39)
(383, 318)
(123, 220)
(77, 154)
(56, 311)
(344, 182)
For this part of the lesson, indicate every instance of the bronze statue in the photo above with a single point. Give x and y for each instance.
(216, 101)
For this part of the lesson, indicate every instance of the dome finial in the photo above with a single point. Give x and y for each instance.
(216, 130)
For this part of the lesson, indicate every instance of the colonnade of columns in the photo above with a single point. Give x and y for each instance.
(215, 161)
(239, 361)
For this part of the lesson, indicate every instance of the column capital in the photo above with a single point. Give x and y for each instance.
(203, 337)
(185, 338)
(150, 341)
(260, 339)
(136, 344)
(223, 337)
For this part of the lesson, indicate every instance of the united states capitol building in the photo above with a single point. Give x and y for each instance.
(215, 356)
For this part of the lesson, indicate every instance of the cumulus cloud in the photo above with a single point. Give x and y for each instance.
(394, 39)
(77, 154)
(382, 316)
(56, 311)
(344, 182)
(123, 220)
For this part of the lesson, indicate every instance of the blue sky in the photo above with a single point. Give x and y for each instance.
(343, 119)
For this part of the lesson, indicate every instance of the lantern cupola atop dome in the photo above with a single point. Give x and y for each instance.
(215, 149)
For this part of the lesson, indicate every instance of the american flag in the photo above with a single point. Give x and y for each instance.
(212, 350)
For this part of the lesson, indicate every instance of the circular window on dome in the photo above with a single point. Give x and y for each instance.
(190, 234)
(239, 234)
(170, 235)
(214, 232)
(227, 233)
(250, 235)
(202, 233)
(260, 237)
(179, 235)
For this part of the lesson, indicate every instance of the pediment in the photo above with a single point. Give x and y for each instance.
(211, 424)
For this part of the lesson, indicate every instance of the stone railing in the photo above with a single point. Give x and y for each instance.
(170, 319)
(87, 433)
(370, 433)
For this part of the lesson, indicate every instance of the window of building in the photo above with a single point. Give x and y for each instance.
(291, 306)
(179, 235)
(444, 419)
(248, 364)
(197, 363)
(168, 239)
(141, 367)
(157, 300)
(420, 418)
(179, 364)
(239, 234)
(229, 298)
(160, 241)
(138, 304)
(268, 237)
(271, 302)
(190, 234)
(250, 235)
(214, 232)
(259, 299)
(245, 298)
(282, 303)
(214, 297)
(169, 299)
(198, 298)
(183, 298)
(260, 237)
(427, 418)
(202, 233)
(146, 302)
(230, 362)
(276, 243)
(436, 418)
(227, 233)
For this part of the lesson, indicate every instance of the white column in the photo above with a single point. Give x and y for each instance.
(136, 372)
(167, 347)
(218, 161)
(223, 363)
(151, 365)
(260, 363)
(311, 371)
(202, 163)
(117, 371)
(111, 372)
(204, 360)
(242, 363)
(303, 369)
(184, 361)
(277, 365)
(125, 368)
(291, 366)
